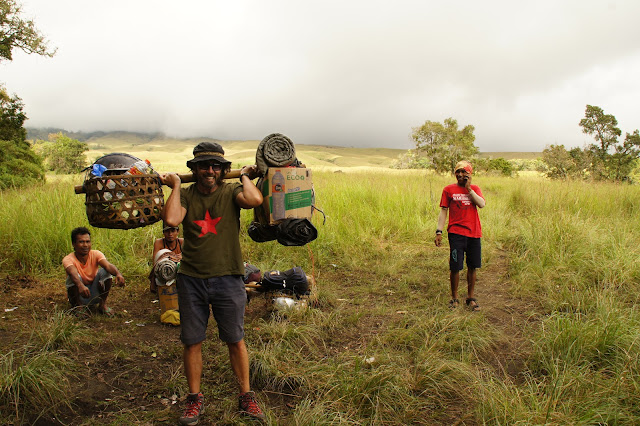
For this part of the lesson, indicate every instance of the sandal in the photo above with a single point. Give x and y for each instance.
(475, 307)
(453, 303)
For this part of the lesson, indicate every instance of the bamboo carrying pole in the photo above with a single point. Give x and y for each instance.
(185, 178)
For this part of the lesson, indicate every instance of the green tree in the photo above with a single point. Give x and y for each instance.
(501, 166)
(19, 164)
(443, 144)
(494, 166)
(607, 159)
(559, 163)
(604, 129)
(12, 117)
(16, 32)
(63, 154)
(611, 159)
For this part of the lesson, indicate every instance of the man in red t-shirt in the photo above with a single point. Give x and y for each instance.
(461, 200)
(87, 283)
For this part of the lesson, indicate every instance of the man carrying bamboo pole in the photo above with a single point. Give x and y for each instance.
(461, 200)
(212, 267)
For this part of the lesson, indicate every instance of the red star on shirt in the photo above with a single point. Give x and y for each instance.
(208, 224)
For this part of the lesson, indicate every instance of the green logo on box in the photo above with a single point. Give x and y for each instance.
(296, 200)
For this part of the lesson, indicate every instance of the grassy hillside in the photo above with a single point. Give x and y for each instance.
(240, 152)
(156, 147)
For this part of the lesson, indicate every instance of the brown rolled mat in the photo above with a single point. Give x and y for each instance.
(275, 150)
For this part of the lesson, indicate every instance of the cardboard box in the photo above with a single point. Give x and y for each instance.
(288, 193)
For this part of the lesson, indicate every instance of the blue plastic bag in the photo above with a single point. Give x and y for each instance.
(98, 170)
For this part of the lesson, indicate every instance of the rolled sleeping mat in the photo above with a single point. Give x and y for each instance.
(275, 150)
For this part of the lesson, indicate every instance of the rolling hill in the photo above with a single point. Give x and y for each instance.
(174, 152)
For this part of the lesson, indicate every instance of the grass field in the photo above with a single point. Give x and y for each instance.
(556, 341)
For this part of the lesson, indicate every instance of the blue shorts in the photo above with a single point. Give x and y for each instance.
(227, 297)
(96, 287)
(458, 246)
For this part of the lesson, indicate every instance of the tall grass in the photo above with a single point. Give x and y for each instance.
(382, 348)
(37, 224)
(574, 250)
(570, 237)
(60, 330)
(35, 379)
(34, 382)
(364, 214)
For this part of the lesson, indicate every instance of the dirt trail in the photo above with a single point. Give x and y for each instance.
(506, 312)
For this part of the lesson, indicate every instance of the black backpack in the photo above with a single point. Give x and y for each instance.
(294, 280)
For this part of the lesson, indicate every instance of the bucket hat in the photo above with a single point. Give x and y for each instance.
(207, 151)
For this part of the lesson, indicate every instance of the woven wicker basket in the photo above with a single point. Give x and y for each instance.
(123, 201)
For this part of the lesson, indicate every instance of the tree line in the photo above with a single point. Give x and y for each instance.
(608, 158)
(439, 146)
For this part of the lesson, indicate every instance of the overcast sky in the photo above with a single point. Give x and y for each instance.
(348, 72)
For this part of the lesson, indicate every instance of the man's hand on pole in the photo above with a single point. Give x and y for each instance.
(170, 179)
(251, 171)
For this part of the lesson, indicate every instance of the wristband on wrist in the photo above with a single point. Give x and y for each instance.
(438, 232)
(243, 174)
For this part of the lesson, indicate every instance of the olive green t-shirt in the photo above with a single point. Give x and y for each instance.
(211, 230)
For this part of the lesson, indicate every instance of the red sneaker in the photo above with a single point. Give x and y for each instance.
(195, 407)
(249, 406)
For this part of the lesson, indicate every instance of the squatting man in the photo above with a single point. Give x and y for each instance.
(88, 284)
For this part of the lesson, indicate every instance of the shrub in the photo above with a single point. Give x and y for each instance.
(63, 154)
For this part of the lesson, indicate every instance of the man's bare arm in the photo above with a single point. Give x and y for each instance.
(73, 273)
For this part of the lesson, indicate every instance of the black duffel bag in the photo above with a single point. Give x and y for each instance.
(294, 280)
(296, 232)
